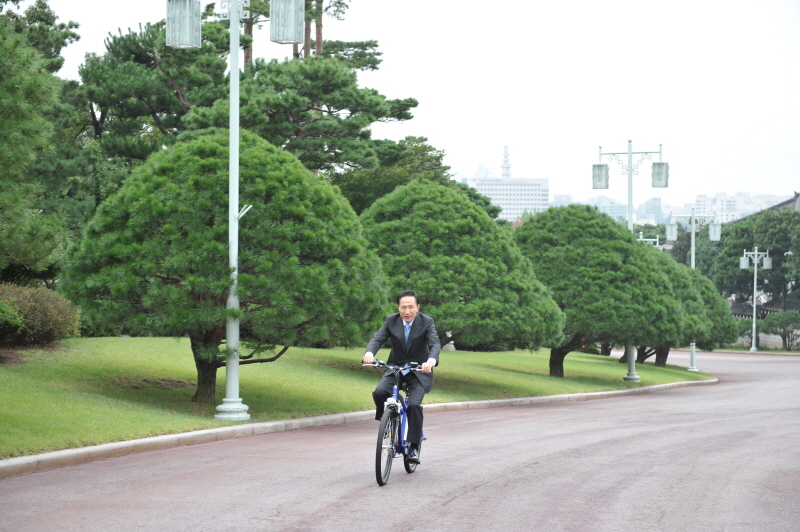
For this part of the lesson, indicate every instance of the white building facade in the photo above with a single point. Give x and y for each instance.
(514, 195)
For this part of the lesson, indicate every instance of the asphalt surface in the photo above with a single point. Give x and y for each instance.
(724, 457)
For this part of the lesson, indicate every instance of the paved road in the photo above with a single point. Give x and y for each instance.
(708, 458)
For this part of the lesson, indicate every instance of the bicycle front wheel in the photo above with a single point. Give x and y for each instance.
(384, 454)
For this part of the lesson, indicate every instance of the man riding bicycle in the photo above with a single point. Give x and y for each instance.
(414, 339)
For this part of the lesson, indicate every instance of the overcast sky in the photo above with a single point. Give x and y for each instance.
(717, 82)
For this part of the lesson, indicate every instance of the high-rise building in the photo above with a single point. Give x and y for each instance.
(514, 195)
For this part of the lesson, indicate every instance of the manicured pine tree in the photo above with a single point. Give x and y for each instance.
(154, 259)
(599, 276)
(470, 275)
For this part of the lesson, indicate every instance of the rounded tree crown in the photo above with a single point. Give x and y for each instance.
(469, 273)
(155, 256)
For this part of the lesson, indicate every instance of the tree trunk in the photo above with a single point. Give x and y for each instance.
(295, 51)
(624, 358)
(557, 357)
(248, 52)
(202, 344)
(605, 349)
(643, 353)
(318, 51)
(307, 43)
(206, 393)
(662, 352)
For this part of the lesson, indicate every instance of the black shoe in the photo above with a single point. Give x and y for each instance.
(413, 454)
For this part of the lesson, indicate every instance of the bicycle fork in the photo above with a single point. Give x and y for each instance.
(401, 404)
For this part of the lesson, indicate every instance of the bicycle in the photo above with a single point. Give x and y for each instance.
(394, 427)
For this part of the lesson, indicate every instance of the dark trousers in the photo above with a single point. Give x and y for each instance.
(415, 394)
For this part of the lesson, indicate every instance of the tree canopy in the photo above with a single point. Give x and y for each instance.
(469, 273)
(312, 108)
(686, 321)
(40, 26)
(599, 276)
(702, 315)
(26, 86)
(154, 258)
(721, 324)
(139, 89)
(785, 324)
(769, 230)
(29, 239)
(399, 164)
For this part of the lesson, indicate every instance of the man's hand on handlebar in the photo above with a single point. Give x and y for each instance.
(368, 359)
(426, 367)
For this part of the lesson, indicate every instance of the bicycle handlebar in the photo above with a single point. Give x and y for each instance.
(414, 366)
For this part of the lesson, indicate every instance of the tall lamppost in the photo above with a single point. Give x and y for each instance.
(184, 31)
(744, 263)
(714, 232)
(660, 179)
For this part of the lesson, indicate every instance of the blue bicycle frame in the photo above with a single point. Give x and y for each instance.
(394, 428)
(395, 401)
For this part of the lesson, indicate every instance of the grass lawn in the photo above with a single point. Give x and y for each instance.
(99, 390)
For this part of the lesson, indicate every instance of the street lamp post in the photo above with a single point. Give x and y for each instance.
(232, 408)
(184, 31)
(713, 234)
(660, 179)
(744, 263)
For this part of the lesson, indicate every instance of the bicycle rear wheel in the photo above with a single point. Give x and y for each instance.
(384, 453)
(411, 466)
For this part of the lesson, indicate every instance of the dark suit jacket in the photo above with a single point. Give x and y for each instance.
(423, 343)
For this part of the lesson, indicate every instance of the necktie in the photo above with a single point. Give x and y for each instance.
(407, 327)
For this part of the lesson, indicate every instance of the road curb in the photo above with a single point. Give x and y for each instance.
(42, 462)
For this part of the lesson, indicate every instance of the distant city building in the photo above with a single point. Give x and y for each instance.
(561, 200)
(650, 212)
(514, 196)
(609, 206)
(729, 208)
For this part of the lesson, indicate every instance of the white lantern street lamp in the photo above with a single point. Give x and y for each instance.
(600, 175)
(183, 23)
(660, 177)
(183, 31)
(714, 231)
(660, 174)
(744, 263)
(287, 21)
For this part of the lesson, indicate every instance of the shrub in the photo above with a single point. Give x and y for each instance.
(98, 328)
(785, 324)
(9, 321)
(45, 315)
